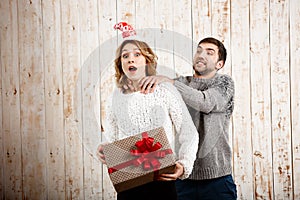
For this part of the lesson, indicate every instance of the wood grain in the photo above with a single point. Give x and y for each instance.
(72, 105)
(281, 127)
(260, 100)
(32, 100)
(56, 60)
(10, 136)
(242, 144)
(295, 93)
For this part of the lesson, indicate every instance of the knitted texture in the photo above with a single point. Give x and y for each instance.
(210, 102)
(130, 114)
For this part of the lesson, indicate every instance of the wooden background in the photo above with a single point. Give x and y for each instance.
(56, 75)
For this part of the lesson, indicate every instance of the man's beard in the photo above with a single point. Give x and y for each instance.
(198, 73)
(203, 72)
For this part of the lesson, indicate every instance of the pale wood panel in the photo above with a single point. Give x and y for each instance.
(89, 75)
(163, 39)
(125, 11)
(221, 28)
(108, 46)
(201, 20)
(32, 100)
(107, 51)
(53, 99)
(183, 43)
(221, 20)
(280, 88)
(260, 100)
(242, 145)
(295, 92)
(145, 21)
(10, 137)
(70, 37)
(60, 164)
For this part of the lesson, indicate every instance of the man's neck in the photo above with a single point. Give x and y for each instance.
(206, 76)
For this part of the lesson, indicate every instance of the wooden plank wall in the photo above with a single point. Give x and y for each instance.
(56, 74)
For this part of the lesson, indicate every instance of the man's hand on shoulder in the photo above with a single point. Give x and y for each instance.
(149, 83)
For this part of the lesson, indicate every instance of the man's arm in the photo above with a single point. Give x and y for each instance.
(149, 83)
(212, 99)
(215, 98)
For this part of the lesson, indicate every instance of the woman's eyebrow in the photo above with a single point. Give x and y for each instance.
(136, 49)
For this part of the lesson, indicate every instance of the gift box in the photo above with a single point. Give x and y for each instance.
(138, 159)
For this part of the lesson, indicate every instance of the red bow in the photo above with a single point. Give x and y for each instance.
(144, 148)
(147, 154)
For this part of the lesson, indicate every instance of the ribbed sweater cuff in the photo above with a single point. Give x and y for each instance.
(210, 173)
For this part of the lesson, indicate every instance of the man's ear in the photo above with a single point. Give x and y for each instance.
(220, 64)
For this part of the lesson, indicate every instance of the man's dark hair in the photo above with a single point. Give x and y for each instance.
(219, 44)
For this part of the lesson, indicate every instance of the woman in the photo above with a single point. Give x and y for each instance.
(131, 112)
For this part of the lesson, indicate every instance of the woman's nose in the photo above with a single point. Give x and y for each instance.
(131, 59)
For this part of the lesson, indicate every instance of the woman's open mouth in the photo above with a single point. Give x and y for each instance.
(132, 68)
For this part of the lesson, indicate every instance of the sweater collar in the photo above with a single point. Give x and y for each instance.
(203, 80)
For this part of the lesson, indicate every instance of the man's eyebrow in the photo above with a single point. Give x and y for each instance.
(207, 49)
(199, 48)
(210, 49)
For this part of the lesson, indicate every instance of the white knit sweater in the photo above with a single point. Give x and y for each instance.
(131, 114)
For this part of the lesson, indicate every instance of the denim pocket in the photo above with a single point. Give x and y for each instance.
(230, 185)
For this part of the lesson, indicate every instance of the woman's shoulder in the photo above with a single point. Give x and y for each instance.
(166, 86)
(169, 89)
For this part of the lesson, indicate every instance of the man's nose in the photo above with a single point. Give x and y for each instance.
(201, 54)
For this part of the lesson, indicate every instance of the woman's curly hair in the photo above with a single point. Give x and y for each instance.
(146, 51)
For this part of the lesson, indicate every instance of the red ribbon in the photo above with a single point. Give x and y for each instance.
(147, 154)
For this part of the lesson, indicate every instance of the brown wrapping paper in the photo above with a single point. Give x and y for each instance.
(129, 175)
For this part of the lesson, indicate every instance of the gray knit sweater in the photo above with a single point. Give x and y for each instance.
(210, 102)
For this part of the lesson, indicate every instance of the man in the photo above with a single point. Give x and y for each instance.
(209, 97)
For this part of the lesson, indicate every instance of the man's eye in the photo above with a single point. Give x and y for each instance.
(199, 51)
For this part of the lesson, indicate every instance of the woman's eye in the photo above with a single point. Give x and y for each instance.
(137, 54)
(124, 56)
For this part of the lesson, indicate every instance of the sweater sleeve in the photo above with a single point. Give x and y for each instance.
(186, 135)
(215, 99)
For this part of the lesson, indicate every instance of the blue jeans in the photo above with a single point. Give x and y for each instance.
(222, 188)
(156, 190)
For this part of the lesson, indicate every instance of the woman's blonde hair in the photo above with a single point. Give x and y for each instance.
(146, 51)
